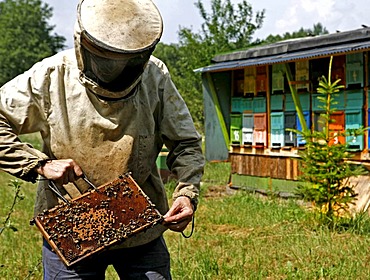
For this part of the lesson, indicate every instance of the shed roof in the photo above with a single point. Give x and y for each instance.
(292, 50)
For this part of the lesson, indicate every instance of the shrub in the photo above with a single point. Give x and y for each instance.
(323, 161)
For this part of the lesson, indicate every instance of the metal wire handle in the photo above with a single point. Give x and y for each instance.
(55, 189)
(192, 228)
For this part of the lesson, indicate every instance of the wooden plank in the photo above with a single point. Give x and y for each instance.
(265, 166)
(233, 163)
(295, 168)
(288, 169)
(245, 165)
(241, 164)
(237, 164)
(269, 167)
(251, 164)
(278, 167)
(281, 168)
(272, 166)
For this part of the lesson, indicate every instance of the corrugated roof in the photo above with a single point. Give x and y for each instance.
(292, 50)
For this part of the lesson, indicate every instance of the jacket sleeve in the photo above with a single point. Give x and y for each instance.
(185, 158)
(22, 111)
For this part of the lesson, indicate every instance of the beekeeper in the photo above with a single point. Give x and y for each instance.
(105, 108)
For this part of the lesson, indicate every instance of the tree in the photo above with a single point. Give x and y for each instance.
(225, 28)
(318, 29)
(324, 164)
(26, 36)
(228, 28)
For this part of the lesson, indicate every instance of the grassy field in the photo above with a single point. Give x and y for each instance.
(237, 236)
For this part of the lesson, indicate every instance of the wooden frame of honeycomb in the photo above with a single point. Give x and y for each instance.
(97, 220)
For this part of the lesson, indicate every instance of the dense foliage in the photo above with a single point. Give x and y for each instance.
(318, 29)
(26, 37)
(225, 28)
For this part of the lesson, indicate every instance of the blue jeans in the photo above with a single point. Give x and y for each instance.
(149, 261)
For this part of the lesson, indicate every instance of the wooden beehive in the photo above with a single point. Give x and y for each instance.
(97, 220)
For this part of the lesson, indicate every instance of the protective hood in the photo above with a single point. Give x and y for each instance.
(113, 41)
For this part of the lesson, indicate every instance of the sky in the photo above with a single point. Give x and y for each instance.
(280, 16)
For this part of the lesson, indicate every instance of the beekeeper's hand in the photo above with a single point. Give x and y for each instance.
(62, 171)
(179, 215)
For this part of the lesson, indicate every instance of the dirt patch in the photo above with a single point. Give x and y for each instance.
(218, 191)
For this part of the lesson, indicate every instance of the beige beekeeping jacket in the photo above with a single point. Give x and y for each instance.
(106, 138)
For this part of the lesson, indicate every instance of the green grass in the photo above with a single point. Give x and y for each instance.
(20, 251)
(238, 236)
